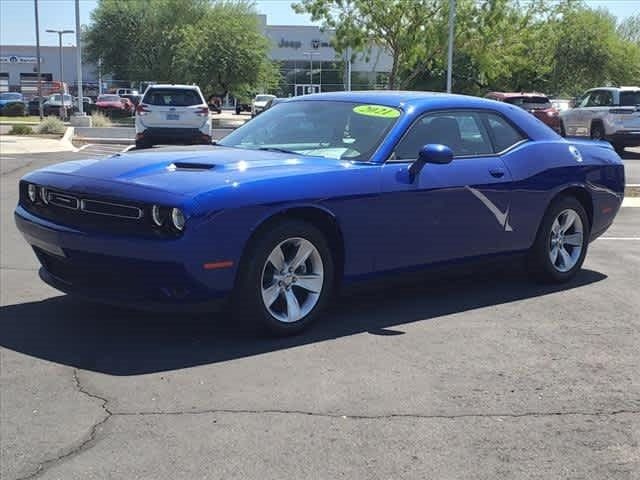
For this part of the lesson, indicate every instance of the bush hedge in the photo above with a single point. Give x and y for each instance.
(20, 130)
(16, 109)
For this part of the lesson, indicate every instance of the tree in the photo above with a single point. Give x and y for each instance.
(215, 44)
(224, 50)
(411, 31)
(629, 29)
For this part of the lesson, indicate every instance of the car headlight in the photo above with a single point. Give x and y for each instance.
(177, 218)
(158, 215)
(32, 191)
(43, 195)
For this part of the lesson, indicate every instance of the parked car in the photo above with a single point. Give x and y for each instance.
(33, 106)
(110, 104)
(561, 104)
(273, 101)
(321, 191)
(242, 107)
(535, 103)
(54, 103)
(134, 98)
(606, 113)
(215, 103)
(172, 114)
(8, 98)
(121, 92)
(259, 104)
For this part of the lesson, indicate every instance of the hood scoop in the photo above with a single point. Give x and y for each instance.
(190, 166)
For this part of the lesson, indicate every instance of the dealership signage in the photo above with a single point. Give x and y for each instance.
(19, 59)
(315, 44)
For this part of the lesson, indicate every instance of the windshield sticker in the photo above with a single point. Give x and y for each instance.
(377, 111)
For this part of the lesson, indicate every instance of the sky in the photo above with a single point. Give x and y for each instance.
(17, 25)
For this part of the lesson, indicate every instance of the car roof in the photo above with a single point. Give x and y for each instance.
(516, 94)
(398, 98)
(172, 85)
(615, 89)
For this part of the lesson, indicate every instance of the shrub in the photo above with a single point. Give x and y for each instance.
(20, 130)
(51, 125)
(13, 110)
(99, 119)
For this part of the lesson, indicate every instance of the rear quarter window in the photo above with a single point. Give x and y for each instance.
(172, 98)
(630, 99)
(504, 134)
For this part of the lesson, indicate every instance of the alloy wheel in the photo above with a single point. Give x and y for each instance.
(292, 280)
(566, 240)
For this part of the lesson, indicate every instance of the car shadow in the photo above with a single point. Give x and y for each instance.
(116, 341)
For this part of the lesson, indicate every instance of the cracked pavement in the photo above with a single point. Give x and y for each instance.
(483, 376)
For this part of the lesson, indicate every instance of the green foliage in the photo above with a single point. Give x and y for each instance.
(215, 44)
(99, 119)
(14, 109)
(20, 130)
(510, 45)
(51, 125)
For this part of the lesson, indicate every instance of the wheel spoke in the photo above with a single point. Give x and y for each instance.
(566, 258)
(569, 219)
(277, 259)
(304, 250)
(554, 254)
(574, 239)
(271, 294)
(293, 306)
(312, 283)
(555, 228)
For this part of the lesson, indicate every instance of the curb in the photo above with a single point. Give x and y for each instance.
(106, 141)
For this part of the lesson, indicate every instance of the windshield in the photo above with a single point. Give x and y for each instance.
(263, 98)
(630, 98)
(340, 130)
(172, 97)
(10, 96)
(108, 98)
(530, 103)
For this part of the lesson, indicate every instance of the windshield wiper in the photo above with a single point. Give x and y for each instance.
(275, 149)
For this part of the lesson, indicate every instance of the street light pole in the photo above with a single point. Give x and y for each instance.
(311, 54)
(35, 6)
(452, 21)
(60, 33)
(79, 60)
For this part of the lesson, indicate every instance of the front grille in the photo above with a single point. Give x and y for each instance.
(88, 213)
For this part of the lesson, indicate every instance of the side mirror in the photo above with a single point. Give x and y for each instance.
(430, 153)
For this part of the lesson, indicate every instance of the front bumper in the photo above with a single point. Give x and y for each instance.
(142, 273)
(630, 138)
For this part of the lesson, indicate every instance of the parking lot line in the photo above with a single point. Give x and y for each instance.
(619, 238)
(631, 202)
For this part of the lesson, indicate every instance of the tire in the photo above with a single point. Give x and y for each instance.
(258, 283)
(619, 148)
(141, 144)
(597, 131)
(563, 131)
(539, 261)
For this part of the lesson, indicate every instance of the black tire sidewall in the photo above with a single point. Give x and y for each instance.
(596, 127)
(539, 262)
(248, 296)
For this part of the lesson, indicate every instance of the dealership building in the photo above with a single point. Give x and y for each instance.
(308, 64)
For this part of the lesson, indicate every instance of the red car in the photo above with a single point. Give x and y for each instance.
(537, 104)
(110, 103)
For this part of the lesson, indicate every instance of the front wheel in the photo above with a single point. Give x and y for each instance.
(287, 278)
(561, 243)
(597, 132)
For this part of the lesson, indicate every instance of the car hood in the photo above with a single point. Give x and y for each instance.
(193, 172)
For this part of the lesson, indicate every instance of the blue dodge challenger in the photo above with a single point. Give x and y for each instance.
(317, 192)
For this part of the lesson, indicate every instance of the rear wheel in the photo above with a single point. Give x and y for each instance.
(286, 280)
(561, 243)
(563, 131)
(619, 148)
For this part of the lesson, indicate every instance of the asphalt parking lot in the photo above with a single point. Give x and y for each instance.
(475, 377)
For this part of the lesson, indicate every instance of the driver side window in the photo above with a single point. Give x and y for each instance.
(463, 132)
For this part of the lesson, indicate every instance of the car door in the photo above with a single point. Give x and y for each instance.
(574, 118)
(450, 211)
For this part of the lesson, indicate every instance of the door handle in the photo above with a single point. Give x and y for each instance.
(496, 172)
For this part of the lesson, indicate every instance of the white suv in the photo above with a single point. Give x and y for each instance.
(607, 113)
(172, 114)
